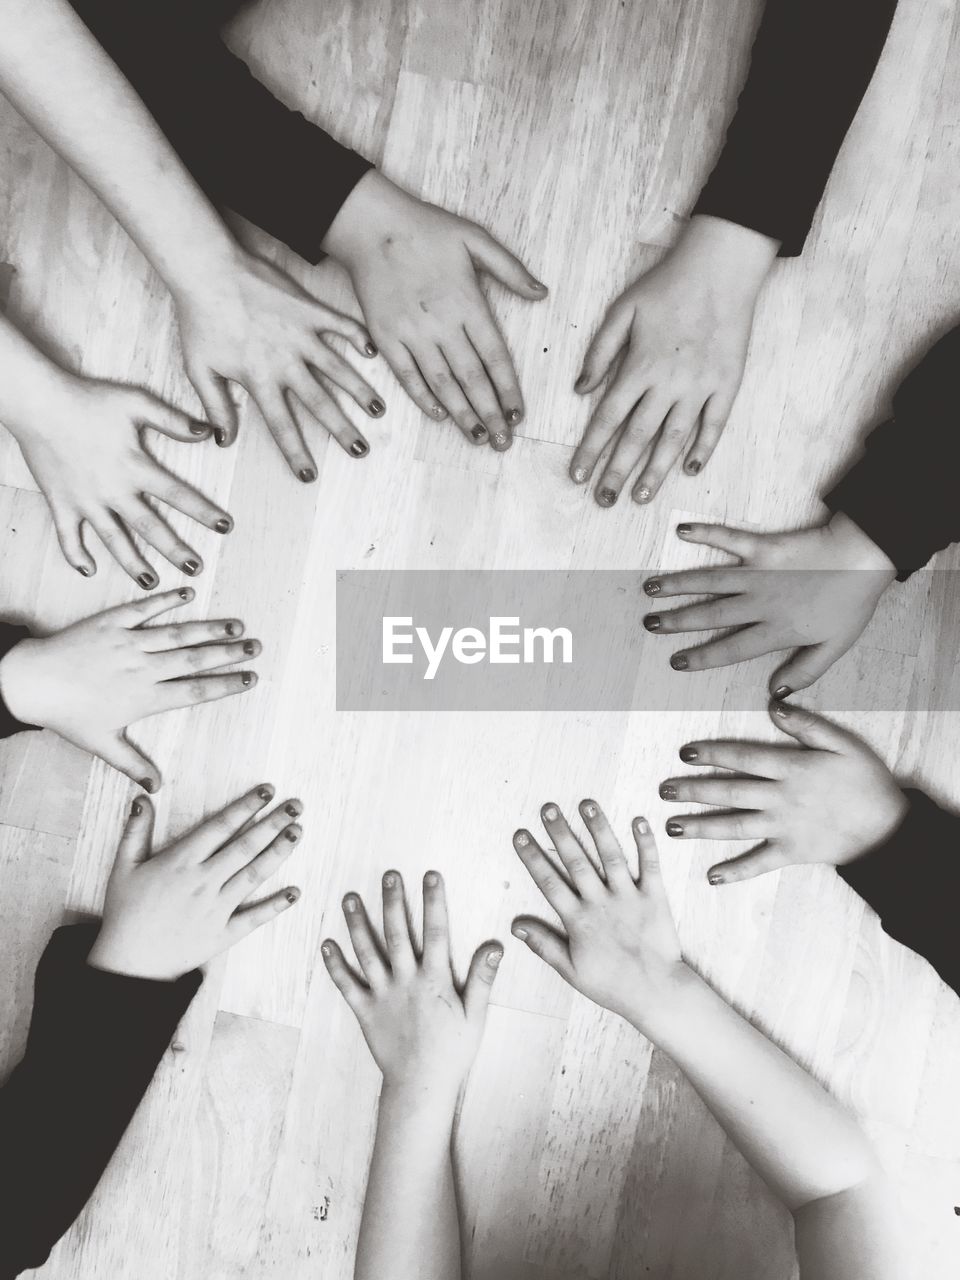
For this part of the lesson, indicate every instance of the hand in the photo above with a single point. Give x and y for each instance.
(421, 1027)
(90, 681)
(414, 268)
(620, 948)
(87, 454)
(814, 591)
(254, 325)
(828, 800)
(167, 913)
(673, 345)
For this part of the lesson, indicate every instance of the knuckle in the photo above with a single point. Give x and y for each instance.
(197, 690)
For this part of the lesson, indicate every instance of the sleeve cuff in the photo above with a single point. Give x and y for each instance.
(11, 636)
(745, 213)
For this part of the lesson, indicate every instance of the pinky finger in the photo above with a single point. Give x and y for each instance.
(713, 419)
(349, 984)
(67, 525)
(765, 857)
(246, 920)
(123, 756)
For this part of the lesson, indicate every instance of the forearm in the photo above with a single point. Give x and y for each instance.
(410, 1228)
(29, 380)
(800, 1141)
(65, 85)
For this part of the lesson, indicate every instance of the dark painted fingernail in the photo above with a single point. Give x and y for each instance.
(538, 285)
(513, 416)
(247, 679)
(233, 628)
(371, 350)
(148, 785)
(714, 878)
(581, 382)
(674, 828)
(198, 428)
(84, 570)
(652, 622)
(136, 809)
(607, 497)
(191, 566)
(684, 529)
(292, 810)
(653, 586)
(694, 466)
(667, 792)
(359, 448)
(689, 754)
(292, 835)
(265, 793)
(184, 593)
(478, 432)
(680, 662)
(249, 647)
(781, 709)
(782, 691)
(307, 474)
(224, 524)
(220, 436)
(377, 407)
(292, 896)
(147, 580)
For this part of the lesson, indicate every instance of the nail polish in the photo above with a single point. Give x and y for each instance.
(500, 438)
(185, 593)
(220, 436)
(198, 428)
(265, 793)
(389, 880)
(494, 958)
(292, 896)
(291, 835)
(307, 474)
(607, 497)
(247, 679)
(84, 570)
(589, 809)
(521, 839)
(653, 586)
(431, 879)
(580, 474)
(350, 903)
(693, 467)
(147, 580)
(478, 432)
(370, 349)
(191, 566)
(782, 710)
(136, 809)
(233, 628)
(684, 529)
(667, 792)
(224, 524)
(359, 449)
(641, 825)
(782, 691)
(538, 285)
(513, 416)
(249, 648)
(714, 878)
(325, 951)
(674, 828)
(377, 407)
(652, 622)
(680, 662)
(551, 813)
(642, 494)
(689, 754)
(147, 785)
(292, 810)
(581, 382)
(519, 932)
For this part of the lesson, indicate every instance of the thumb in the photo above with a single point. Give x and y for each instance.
(217, 404)
(808, 729)
(490, 255)
(67, 523)
(137, 839)
(150, 411)
(545, 943)
(124, 756)
(768, 856)
(608, 342)
(808, 665)
(480, 979)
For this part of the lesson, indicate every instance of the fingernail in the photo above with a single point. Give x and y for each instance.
(220, 436)
(674, 828)
(500, 437)
(667, 792)
(136, 809)
(494, 958)
(224, 525)
(325, 951)
(431, 879)
(684, 529)
(607, 497)
(389, 880)
(84, 570)
(513, 416)
(580, 474)
(652, 622)
(359, 448)
(292, 834)
(247, 679)
(588, 809)
(307, 474)
(689, 754)
(714, 878)
(148, 785)
(581, 382)
(350, 903)
(198, 428)
(377, 407)
(147, 580)
(551, 813)
(782, 709)
(521, 839)
(249, 647)
(438, 411)
(641, 825)
(185, 593)
(653, 586)
(191, 566)
(518, 931)
(370, 349)
(642, 494)
(538, 285)
(265, 792)
(292, 810)
(680, 662)
(292, 896)
(478, 432)
(782, 691)
(693, 467)
(233, 628)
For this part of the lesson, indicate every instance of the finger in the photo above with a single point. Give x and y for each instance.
(468, 369)
(323, 360)
(199, 659)
(811, 730)
(607, 343)
(246, 920)
(214, 394)
(751, 642)
(767, 856)
(436, 926)
(156, 533)
(713, 419)
(396, 924)
(137, 839)
(608, 417)
(171, 695)
(608, 846)
(283, 426)
(699, 582)
(807, 665)
(150, 411)
(217, 831)
(260, 869)
(731, 793)
(488, 342)
(651, 876)
(182, 635)
(545, 875)
(407, 373)
(365, 945)
(348, 983)
(676, 431)
(738, 542)
(67, 525)
(489, 255)
(725, 611)
(329, 320)
(116, 540)
(641, 427)
(125, 758)
(546, 943)
(246, 844)
(445, 386)
(578, 863)
(176, 493)
(745, 757)
(320, 404)
(136, 612)
(719, 826)
(480, 978)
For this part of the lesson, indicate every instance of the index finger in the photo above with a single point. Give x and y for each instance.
(489, 344)
(551, 883)
(135, 613)
(753, 758)
(219, 829)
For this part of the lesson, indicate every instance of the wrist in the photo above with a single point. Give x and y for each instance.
(16, 681)
(363, 218)
(726, 256)
(111, 957)
(211, 273)
(423, 1093)
(657, 1016)
(858, 551)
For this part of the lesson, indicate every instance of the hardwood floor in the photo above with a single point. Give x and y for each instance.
(578, 131)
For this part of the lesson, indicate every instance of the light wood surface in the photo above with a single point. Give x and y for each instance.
(578, 131)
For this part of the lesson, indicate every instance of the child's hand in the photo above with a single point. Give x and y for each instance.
(90, 681)
(674, 345)
(828, 800)
(254, 325)
(167, 913)
(84, 446)
(421, 1027)
(415, 270)
(620, 947)
(814, 591)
